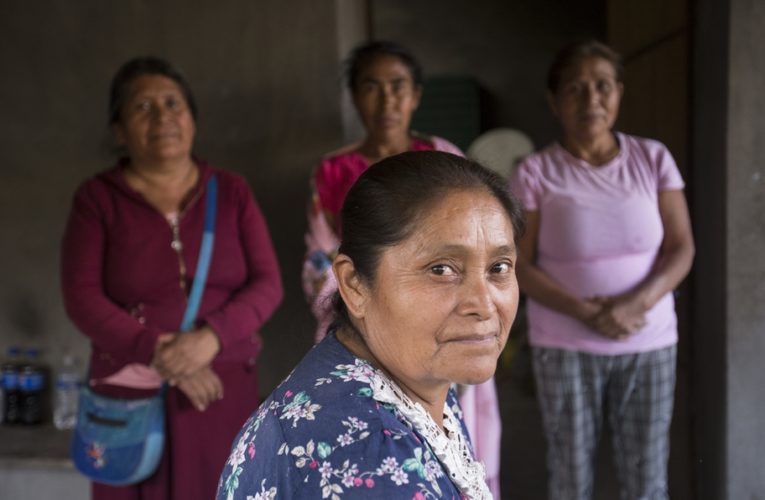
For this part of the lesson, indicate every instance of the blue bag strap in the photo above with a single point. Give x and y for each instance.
(205, 254)
(203, 263)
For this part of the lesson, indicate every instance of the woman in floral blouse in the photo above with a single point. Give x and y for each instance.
(426, 297)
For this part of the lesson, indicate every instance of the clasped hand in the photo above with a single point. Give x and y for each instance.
(183, 359)
(616, 317)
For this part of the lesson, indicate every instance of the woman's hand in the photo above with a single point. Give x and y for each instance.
(179, 355)
(619, 316)
(203, 388)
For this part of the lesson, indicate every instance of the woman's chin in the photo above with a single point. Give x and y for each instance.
(476, 374)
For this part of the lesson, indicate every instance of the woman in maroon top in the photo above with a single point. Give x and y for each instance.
(128, 260)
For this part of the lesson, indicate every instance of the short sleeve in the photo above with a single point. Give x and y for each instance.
(668, 175)
(525, 185)
(441, 144)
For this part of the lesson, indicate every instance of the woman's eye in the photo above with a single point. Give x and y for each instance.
(400, 86)
(366, 88)
(176, 102)
(572, 89)
(143, 106)
(501, 268)
(604, 86)
(442, 270)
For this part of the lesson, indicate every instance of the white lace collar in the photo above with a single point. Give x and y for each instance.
(452, 451)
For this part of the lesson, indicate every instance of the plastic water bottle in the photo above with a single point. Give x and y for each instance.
(31, 386)
(11, 396)
(66, 395)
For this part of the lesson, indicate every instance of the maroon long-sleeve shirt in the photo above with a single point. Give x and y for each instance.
(124, 284)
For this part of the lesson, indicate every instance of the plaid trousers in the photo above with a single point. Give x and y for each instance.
(636, 391)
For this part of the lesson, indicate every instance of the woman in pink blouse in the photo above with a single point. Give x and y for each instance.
(129, 255)
(608, 239)
(385, 81)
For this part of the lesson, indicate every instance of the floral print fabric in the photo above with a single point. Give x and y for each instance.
(322, 435)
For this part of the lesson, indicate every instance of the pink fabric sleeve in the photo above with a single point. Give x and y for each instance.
(322, 243)
(110, 327)
(440, 144)
(250, 307)
(525, 186)
(319, 283)
(669, 177)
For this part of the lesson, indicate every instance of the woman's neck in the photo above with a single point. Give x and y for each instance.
(432, 399)
(166, 173)
(377, 148)
(596, 151)
(165, 185)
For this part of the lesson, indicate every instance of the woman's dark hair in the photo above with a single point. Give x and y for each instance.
(385, 204)
(141, 66)
(361, 56)
(575, 53)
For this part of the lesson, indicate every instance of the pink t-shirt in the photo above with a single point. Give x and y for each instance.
(600, 232)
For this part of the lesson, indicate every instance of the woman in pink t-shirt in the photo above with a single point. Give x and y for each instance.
(608, 239)
(385, 81)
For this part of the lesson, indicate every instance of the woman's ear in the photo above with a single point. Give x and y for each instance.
(352, 289)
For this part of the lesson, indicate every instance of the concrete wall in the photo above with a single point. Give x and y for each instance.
(745, 239)
(729, 319)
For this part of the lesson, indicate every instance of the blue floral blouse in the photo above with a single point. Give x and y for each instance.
(321, 435)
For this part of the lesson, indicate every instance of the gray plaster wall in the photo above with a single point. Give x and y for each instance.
(746, 241)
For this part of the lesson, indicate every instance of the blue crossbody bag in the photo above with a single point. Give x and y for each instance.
(120, 441)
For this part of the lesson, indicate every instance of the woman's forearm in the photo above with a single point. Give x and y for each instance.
(539, 286)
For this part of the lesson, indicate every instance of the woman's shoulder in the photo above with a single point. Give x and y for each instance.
(101, 186)
(642, 145)
(234, 190)
(343, 155)
(340, 164)
(227, 179)
(650, 154)
(319, 428)
(536, 163)
(425, 142)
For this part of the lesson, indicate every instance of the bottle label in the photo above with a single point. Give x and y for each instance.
(30, 382)
(10, 380)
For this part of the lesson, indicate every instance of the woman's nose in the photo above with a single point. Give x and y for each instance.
(591, 93)
(160, 113)
(387, 97)
(477, 299)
